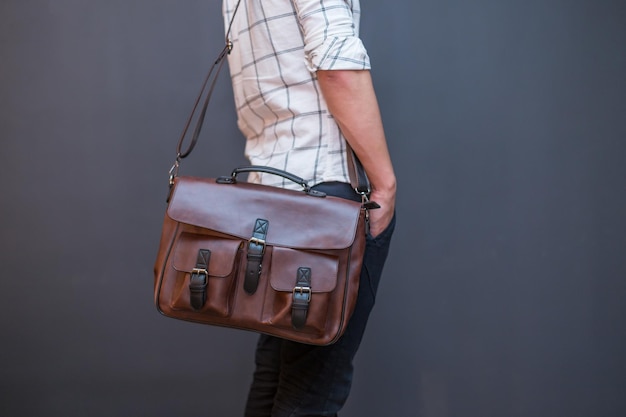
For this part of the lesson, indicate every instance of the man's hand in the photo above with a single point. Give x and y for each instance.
(381, 217)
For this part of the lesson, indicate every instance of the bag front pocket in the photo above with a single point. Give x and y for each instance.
(301, 289)
(206, 270)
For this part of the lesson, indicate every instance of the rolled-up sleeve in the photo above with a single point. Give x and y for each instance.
(331, 34)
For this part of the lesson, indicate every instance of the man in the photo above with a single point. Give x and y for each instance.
(302, 89)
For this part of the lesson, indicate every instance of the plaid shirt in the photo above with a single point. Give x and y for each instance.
(278, 45)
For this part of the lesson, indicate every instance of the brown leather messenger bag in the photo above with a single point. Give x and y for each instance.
(256, 257)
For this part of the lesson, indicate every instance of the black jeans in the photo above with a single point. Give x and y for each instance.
(297, 380)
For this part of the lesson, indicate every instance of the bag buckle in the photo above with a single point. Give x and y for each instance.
(256, 251)
(258, 242)
(200, 271)
(199, 279)
(298, 292)
(301, 298)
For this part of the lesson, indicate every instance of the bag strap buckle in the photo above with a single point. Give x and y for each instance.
(199, 279)
(301, 298)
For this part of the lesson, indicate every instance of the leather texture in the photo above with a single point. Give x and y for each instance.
(277, 261)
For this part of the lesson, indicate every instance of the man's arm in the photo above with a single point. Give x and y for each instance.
(352, 102)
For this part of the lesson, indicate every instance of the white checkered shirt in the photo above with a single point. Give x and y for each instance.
(277, 47)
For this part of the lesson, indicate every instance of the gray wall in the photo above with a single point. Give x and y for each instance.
(506, 121)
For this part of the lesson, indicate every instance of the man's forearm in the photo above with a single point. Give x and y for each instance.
(352, 102)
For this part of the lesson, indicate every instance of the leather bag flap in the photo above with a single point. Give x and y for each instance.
(223, 253)
(295, 219)
(285, 264)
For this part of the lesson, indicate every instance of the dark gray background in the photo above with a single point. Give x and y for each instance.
(504, 292)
